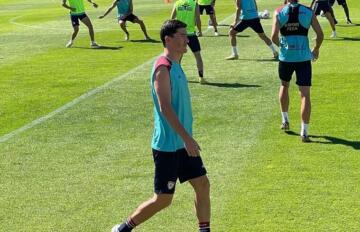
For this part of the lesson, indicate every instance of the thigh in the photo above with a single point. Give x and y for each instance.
(190, 167)
(286, 69)
(201, 8)
(74, 20)
(209, 10)
(85, 20)
(341, 2)
(166, 171)
(132, 18)
(256, 26)
(303, 72)
(241, 26)
(194, 43)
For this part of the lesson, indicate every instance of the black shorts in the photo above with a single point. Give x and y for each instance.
(208, 8)
(302, 70)
(253, 23)
(340, 2)
(194, 43)
(169, 166)
(323, 6)
(130, 17)
(75, 19)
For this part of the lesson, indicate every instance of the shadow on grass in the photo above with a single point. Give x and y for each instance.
(261, 60)
(228, 85)
(330, 140)
(349, 25)
(101, 48)
(145, 41)
(340, 38)
(224, 35)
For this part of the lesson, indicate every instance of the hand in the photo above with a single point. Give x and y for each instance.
(192, 147)
(101, 16)
(95, 5)
(315, 54)
(199, 34)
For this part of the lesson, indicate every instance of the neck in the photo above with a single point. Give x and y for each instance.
(172, 55)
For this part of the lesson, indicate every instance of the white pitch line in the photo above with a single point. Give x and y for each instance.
(81, 98)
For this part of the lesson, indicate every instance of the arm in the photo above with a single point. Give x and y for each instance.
(256, 5)
(93, 3)
(213, 3)
(109, 9)
(238, 10)
(131, 7)
(319, 37)
(163, 92)
(275, 30)
(65, 5)
(173, 13)
(197, 19)
(312, 3)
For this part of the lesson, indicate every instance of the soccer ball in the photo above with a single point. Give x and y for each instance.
(264, 14)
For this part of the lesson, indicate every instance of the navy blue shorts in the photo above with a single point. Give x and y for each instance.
(209, 9)
(130, 17)
(323, 6)
(194, 43)
(75, 19)
(170, 166)
(302, 69)
(253, 23)
(340, 2)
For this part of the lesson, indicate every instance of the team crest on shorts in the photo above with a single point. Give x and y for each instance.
(171, 185)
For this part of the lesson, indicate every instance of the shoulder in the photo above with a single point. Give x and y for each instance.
(162, 61)
(281, 8)
(306, 8)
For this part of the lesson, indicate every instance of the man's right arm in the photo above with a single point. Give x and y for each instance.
(173, 13)
(319, 36)
(312, 3)
(109, 9)
(275, 30)
(65, 5)
(163, 91)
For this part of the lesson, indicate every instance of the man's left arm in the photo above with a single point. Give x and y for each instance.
(275, 30)
(93, 3)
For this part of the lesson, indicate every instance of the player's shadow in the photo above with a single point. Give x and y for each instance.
(101, 48)
(349, 25)
(145, 41)
(261, 60)
(340, 38)
(227, 85)
(330, 140)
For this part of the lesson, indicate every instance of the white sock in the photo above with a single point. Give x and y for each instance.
(304, 129)
(234, 50)
(272, 47)
(285, 117)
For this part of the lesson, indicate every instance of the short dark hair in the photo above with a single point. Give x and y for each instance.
(169, 28)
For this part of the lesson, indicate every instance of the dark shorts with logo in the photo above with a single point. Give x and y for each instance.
(209, 9)
(194, 43)
(75, 19)
(340, 2)
(170, 166)
(252, 23)
(302, 70)
(323, 6)
(130, 17)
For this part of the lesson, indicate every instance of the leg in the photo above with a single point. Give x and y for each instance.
(305, 103)
(122, 24)
(142, 26)
(333, 15)
(232, 37)
(200, 66)
(75, 32)
(269, 43)
(150, 207)
(284, 96)
(88, 23)
(213, 20)
(331, 20)
(346, 10)
(201, 187)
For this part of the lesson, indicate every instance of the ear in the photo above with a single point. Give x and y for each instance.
(168, 39)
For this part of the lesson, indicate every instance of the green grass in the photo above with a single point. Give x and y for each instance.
(90, 165)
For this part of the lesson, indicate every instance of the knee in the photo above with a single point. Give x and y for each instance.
(122, 23)
(232, 33)
(204, 187)
(76, 29)
(162, 200)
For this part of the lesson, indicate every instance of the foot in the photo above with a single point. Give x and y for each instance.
(276, 55)
(147, 38)
(333, 35)
(216, 33)
(199, 34)
(285, 126)
(232, 57)
(127, 37)
(305, 139)
(94, 45)
(69, 44)
(349, 21)
(115, 228)
(202, 80)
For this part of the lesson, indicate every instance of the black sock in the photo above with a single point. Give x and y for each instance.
(204, 226)
(201, 73)
(127, 226)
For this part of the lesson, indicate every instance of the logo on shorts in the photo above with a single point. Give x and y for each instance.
(170, 185)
